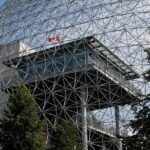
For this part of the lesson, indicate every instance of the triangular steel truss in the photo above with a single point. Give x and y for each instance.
(83, 61)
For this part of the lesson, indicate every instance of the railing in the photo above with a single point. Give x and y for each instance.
(105, 128)
(114, 74)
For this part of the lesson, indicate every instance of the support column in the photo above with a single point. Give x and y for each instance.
(120, 144)
(103, 146)
(47, 134)
(117, 118)
(84, 118)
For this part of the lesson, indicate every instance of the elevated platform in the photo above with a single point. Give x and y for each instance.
(89, 43)
(87, 62)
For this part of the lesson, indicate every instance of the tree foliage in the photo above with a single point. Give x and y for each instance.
(140, 140)
(66, 137)
(20, 127)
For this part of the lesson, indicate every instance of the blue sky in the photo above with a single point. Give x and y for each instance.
(2, 1)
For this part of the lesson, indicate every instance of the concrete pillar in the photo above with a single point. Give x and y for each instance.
(84, 118)
(47, 134)
(103, 146)
(117, 119)
(120, 144)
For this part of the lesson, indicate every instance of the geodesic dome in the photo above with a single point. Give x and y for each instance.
(82, 59)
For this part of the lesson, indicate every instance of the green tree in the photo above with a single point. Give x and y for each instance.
(140, 140)
(20, 127)
(66, 137)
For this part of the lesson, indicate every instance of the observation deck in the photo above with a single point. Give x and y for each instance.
(87, 56)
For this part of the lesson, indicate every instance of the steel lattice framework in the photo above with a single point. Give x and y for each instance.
(83, 61)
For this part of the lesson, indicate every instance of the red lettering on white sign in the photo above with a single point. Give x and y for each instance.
(54, 38)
